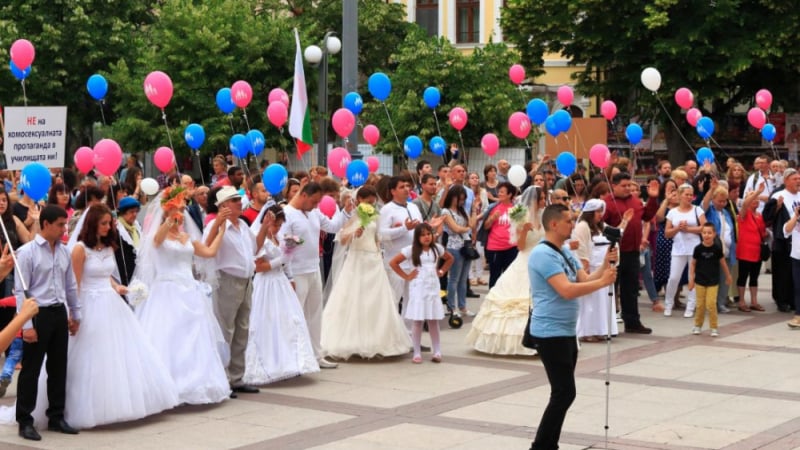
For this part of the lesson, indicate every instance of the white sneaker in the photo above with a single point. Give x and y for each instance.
(695, 330)
(668, 311)
(619, 318)
(688, 313)
(326, 364)
(714, 332)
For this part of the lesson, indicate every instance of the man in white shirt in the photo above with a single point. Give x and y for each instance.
(396, 225)
(304, 220)
(761, 175)
(235, 263)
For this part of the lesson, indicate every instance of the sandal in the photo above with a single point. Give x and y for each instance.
(743, 308)
(417, 360)
(756, 307)
(437, 358)
(590, 339)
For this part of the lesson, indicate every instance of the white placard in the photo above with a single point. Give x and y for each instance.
(35, 134)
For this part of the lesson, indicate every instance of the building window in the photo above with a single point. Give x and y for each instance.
(468, 18)
(428, 16)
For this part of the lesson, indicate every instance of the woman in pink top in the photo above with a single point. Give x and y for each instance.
(500, 252)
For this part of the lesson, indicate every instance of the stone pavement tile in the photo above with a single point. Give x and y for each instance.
(762, 370)
(424, 437)
(288, 419)
(774, 335)
(679, 434)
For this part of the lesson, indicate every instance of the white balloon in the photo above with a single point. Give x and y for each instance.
(517, 175)
(149, 186)
(651, 79)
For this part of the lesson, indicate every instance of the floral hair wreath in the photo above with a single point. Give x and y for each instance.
(173, 198)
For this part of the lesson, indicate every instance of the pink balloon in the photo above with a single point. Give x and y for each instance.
(164, 159)
(158, 88)
(490, 143)
(684, 98)
(22, 53)
(372, 135)
(693, 115)
(763, 98)
(278, 95)
(241, 93)
(516, 73)
(373, 163)
(757, 118)
(277, 113)
(458, 118)
(343, 122)
(338, 159)
(107, 156)
(84, 159)
(608, 109)
(599, 155)
(519, 124)
(327, 206)
(565, 95)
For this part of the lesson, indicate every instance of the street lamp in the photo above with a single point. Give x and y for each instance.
(317, 56)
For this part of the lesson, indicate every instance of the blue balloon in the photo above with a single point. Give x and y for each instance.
(432, 97)
(275, 178)
(551, 126)
(97, 87)
(768, 132)
(257, 141)
(705, 127)
(634, 133)
(225, 101)
(566, 163)
(537, 111)
(705, 154)
(357, 172)
(239, 145)
(194, 135)
(437, 145)
(413, 147)
(563, 120)
(379, 86)
(19, 74)
(35, 180)
(354, 103)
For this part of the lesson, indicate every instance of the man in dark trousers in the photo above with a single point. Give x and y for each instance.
(45, 264)
(617, 202)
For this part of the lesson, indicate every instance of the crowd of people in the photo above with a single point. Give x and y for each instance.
(206, 292)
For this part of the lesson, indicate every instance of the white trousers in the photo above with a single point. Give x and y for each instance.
(308, 287)
(676, 266)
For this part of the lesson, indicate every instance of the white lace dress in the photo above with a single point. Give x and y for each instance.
(179, 319)
(279, 346)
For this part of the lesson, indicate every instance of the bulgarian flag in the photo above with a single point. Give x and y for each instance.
(299, 120)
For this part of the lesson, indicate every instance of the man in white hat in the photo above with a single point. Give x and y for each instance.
(235, 263)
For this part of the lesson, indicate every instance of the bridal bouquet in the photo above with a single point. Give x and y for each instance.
(291, 242)
(137, 292)
(366, 214)
(518, 214)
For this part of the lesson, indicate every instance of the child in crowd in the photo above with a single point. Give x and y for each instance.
(704, 272)
(424, 303)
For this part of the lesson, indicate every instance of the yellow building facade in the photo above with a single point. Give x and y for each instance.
(473, 23)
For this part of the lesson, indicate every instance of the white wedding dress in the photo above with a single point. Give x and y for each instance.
(498, 327)
(279, 346)
(360, 317)
(179, 319)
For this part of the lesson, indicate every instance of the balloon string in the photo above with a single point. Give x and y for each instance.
(464, 149)
(102, 113)
(14, 257)
(677, 128)
(522, 96)
(200, 165)
(119, 236)
(391, 124)
(230, 122)
(438, 131)
(246, 121)
(24, 94)
(169, 138)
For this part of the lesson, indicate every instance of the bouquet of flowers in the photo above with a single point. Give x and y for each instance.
(137, 292)
(291, 242)
(518, 214)
(366, 214)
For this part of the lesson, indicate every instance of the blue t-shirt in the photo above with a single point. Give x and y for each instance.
(552, 315)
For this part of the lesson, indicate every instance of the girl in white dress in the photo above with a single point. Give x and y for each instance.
(177, 315)
(279, 346)
(424, 303)
(114, 373)
(360, 317)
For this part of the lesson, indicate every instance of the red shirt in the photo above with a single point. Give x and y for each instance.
(751, 233)
(616, 207)
(250, 214)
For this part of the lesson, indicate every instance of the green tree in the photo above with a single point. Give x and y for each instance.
(724, 50)
(73, 39)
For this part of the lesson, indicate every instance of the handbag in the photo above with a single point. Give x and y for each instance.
(528, 341)
(468, 251)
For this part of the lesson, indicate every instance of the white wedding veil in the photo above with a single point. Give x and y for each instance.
(530, 200)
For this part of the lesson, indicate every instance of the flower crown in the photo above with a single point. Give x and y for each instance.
(172, 198)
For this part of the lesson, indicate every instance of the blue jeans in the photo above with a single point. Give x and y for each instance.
(457, 279)
(647, 276)
(14, 357)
